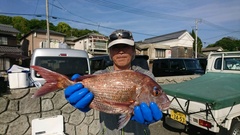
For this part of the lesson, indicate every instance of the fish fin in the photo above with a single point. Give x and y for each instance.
(123, 120)
(83, 77)
(54, 81)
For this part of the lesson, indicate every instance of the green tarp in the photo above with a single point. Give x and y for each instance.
(219, 90)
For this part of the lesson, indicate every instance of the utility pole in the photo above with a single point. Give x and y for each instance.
(196, 29)
(47, 18)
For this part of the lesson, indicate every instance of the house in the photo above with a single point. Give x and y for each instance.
(37, 39)
(70, 41)
(176, 45)
(94, 44)
(10, 51)
(206, 51)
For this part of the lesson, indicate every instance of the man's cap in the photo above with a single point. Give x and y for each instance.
(120, 37)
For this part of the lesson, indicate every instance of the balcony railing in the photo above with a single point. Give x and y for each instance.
(99, 45)
(98, 48)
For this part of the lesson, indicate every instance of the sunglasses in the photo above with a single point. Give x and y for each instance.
(120, 35)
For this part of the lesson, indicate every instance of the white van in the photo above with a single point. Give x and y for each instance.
(63, 61)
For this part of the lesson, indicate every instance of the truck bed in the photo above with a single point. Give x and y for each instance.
(218, 90)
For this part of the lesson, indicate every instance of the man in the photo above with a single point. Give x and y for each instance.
(122, 52)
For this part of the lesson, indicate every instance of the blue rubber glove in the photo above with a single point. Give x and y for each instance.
(145, 114)
(78, 96)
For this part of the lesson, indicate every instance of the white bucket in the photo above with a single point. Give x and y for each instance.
(18, 80)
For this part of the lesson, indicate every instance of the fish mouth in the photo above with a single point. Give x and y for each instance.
(165, 106)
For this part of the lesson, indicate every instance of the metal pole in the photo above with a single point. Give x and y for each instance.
(196, 35)
(47, 18)
(196, 23)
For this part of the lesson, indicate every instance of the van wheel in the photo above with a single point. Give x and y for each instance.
(235, 129)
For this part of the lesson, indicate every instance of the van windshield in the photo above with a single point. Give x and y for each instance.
(64, 65)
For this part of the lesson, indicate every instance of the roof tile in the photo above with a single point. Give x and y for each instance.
(8, 28)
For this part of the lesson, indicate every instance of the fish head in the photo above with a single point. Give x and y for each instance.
(152, 92)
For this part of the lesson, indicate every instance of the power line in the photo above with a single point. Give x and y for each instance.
(91, 24)
(55, 17)
(216, 26)
(64, 9)
(146, 13)
(36, 7)
(222, 35)
(137, 11)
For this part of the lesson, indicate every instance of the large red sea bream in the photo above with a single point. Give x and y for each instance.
(115, 93)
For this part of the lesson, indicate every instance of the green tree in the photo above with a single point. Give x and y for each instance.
(228, 44)
(5, 20)
(37, 24)
(25, 26)
(63, 28)
(20, 24)
(199, 42)
(40, 24)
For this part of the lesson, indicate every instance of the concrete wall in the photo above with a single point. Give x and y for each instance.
(175, 79)
(18, 109)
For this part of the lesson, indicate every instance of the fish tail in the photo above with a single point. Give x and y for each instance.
(54, 81)
(123, 120)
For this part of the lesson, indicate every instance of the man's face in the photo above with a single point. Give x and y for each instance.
(122, 56)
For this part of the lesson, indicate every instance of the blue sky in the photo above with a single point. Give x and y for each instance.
(145, 18)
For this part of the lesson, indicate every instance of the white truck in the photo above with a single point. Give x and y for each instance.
(211, 101)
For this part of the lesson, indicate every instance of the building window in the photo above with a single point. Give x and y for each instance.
(185, 50)
(85, 45)
(160, 53)
(3, 41)
(145, 51)
(1, 64)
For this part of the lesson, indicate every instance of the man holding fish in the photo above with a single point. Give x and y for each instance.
(121, 51)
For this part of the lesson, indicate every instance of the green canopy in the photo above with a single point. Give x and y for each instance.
(219, 90)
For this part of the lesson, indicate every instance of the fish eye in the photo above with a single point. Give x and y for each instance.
(156, 91)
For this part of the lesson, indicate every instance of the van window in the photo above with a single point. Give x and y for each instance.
(163, 65)
(69, 65)
(175, 67)
(177, 64)
(192, 64)
(99, 64)
(203, 63)
(96, 65)
(160, 67)
(141, 61)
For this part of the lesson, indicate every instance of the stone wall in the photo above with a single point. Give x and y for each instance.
(18, 109)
